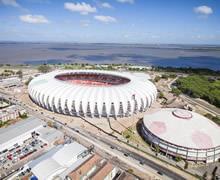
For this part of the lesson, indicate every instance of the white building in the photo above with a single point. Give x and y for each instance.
(50, 135)
(183, 133)
(11, 112)
(17, 133)
(92, 93)
(59, 161)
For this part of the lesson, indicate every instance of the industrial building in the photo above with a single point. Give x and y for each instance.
(92, 93)
(182, 133)
(74, 161)
(17, 133)
(59, 161)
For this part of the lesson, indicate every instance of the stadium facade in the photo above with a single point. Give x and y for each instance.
(92, 93)
(182, 133)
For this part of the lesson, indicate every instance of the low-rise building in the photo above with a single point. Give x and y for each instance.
(3, 103)
(94, 168)
(59, 161)
(50, 135)
(19, 132)
(10, 82)
(11, 113)
(106, 172)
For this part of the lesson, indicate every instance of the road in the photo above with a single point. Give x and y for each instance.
(156, 168)
(201, 104)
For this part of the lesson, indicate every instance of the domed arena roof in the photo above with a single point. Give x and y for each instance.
(92, 92)
(183, 128)
(183, 133)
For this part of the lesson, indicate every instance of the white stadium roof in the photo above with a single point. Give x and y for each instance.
(183, 128)
(72, 98)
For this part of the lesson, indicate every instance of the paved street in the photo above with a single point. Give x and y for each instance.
(148, 165)
(202, 104)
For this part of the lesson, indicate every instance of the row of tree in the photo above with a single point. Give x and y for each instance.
(187, 70)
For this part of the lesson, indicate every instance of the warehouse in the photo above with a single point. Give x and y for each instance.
(17, 133)
(59, 161)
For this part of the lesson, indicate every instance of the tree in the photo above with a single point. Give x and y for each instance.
(164, 76)
(205, 175)
(130, 171)
(50, 123)
(23, 116)
(110, 67)
(44, 68)
(28, 81)
(186, 165)
(176, 91)
(214, 172)
(157, 78)
(20, 74)
(161, 95)
(157, 148)
(208, 115)
(178, 158)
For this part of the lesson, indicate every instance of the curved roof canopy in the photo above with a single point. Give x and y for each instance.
(92, 92)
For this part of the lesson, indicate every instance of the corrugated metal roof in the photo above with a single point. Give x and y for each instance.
(57, 160)
(21, 127)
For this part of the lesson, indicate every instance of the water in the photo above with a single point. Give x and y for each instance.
(157, 55)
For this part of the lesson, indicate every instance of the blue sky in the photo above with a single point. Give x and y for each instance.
(113, 21)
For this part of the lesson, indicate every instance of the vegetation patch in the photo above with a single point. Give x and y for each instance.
(216, 119)
(44, 68)
(187, 70)
(131, 135)
(207, 88)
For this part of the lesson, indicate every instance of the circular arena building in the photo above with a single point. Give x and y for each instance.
(92, 93)
(182, 133)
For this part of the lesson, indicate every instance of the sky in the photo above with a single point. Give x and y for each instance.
(111, 21)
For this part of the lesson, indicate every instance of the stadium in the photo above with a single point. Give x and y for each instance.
(182, 133)
(92, 93)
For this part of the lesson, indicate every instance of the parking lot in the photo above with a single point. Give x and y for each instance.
(12, 158)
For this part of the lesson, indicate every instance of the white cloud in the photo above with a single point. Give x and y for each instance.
(84, 23)
(83, 8)
(203, 10)
(155, 36)
(106, 5)
(10, 3)
(105, 19)
(34, 19)
(126, 1)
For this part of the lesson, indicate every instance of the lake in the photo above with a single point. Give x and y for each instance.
(195, 56)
